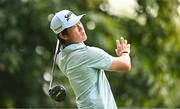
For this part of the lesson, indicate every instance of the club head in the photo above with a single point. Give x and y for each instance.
(58, 93)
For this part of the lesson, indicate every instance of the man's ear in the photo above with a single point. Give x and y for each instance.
(64, 37)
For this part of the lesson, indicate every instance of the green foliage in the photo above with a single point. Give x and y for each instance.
(27, 47)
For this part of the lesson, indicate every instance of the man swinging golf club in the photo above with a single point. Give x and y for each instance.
(83, 65)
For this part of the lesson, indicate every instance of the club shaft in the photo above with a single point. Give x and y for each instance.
(54, 62)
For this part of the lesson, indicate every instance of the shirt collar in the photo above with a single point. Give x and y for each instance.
(73, 47)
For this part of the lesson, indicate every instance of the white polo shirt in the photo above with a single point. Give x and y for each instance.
(83, 66)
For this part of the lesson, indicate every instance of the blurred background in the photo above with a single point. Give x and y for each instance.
(151, 26)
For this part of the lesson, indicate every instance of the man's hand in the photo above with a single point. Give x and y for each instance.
(123, 61)
(122, 47)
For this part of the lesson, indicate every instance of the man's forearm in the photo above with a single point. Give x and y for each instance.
(121, 63)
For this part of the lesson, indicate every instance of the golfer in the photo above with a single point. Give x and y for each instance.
(84, 65)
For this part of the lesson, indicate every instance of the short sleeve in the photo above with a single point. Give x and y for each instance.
(99, 59)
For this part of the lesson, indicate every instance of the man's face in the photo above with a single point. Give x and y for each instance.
(76, 34)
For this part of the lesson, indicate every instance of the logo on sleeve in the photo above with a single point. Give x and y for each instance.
(67, 16)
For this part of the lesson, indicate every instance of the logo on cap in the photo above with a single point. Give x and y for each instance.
(67, 16)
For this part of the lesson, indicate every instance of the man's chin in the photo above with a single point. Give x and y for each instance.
(85, 38)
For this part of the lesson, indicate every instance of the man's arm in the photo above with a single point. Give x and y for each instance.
(123, 61)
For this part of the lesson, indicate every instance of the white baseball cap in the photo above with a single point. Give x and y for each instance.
(64, 19)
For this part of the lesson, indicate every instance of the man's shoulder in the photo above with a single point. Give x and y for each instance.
(94, 52)
(94, 49)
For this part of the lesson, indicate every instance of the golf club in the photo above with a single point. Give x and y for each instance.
(58, 92)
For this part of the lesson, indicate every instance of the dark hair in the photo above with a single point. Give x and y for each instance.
(64, 32)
